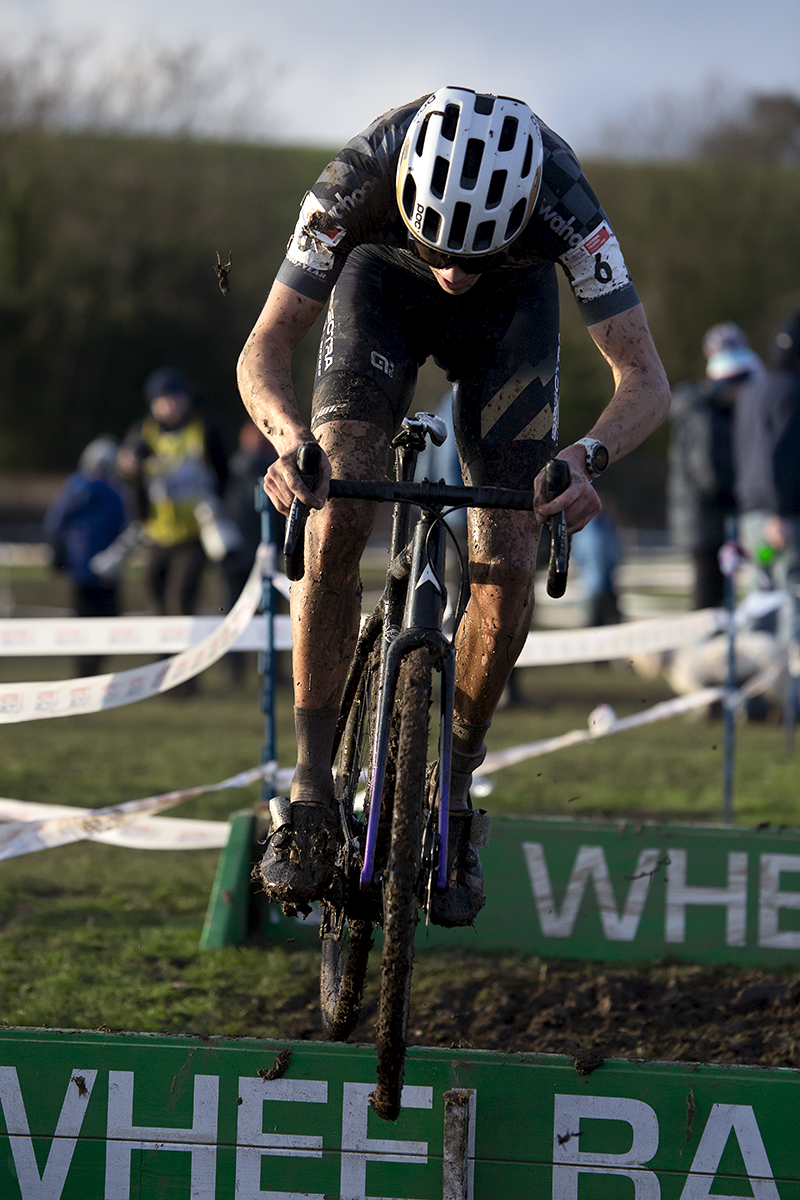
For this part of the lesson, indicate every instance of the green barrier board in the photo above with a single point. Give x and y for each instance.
(92, 1116)
(593, 890)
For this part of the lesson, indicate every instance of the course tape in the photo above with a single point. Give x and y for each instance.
(604, 721)
(653, 636)
(70, 697)
(30, 637)
(138, 833)
(26, 837)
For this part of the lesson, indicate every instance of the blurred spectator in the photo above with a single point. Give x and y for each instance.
(86, 516)
(246, 473)
(175, 459)
(700, 480)
(767, 456)
(596, 550)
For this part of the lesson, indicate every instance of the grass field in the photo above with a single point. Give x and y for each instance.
(93, 936)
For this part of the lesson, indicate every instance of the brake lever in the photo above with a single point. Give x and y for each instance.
(557, 478)
(309, 465)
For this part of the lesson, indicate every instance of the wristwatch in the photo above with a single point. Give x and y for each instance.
(596, 456)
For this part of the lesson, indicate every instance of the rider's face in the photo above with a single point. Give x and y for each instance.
(453, 280)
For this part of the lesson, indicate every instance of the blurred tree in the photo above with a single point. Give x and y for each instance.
(768, 131)
(109, 242)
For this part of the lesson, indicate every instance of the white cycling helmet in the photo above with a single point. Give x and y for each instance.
(469, 172)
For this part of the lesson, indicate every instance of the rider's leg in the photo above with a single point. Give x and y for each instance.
(492, 633)
(298, 861)
(488, 642)
(325, 604)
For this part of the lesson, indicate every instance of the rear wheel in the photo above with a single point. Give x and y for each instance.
(401, 903)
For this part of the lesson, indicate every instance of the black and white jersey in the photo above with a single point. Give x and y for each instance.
(353, 204)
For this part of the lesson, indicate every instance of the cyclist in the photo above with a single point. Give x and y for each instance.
(440, 226)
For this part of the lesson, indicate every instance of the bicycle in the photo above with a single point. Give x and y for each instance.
(390, 860)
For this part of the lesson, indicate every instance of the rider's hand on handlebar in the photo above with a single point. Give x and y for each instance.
(282, 482)
(579, 502)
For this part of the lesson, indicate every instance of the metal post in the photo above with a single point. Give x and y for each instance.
(459, 1144)
(729, 749)
(266, 658)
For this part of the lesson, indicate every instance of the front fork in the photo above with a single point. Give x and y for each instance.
(424, 611)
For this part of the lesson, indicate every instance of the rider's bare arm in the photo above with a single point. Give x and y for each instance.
(639, 404)
(265, 382)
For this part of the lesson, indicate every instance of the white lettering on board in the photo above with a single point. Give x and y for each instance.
(50, 1184)
(569, 1161)
(733, 898)
(254, 1142)
(358, 1149)
(742, 1120)
(590, 862)
(123, 1136)
(772, 900)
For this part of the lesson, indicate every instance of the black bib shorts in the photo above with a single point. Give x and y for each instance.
(498, 345)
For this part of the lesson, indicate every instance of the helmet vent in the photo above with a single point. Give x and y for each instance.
(526, 165)
(431, 224)
(420, 146)
(458, 226)
(483, 237)
(472, 163)
(439, 177)
(496, 188)
(450, 121)
(484, 105)
(508, 134)
(516, 219)
(409, 196)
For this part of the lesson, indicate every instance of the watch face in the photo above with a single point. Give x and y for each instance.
(599, 457)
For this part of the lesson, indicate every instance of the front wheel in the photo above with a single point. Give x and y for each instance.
(401, 903)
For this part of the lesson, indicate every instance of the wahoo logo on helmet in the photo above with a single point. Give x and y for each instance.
(469, 171)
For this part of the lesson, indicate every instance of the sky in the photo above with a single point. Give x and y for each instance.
(318, 73)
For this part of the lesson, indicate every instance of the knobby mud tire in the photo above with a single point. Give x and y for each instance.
(344, 958)
(400, 892)
(343, 970)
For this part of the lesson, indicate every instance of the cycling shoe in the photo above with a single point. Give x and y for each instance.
(463, 897)
(298, 864)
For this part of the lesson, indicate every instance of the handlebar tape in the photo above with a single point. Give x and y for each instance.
(557, 479)
(309, 462)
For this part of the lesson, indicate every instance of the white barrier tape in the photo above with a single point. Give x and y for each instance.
(26, 637)
(70, 697)
(26, 837)
(668, 708)
(138, 833)
(23, 637)
(604, 721)
(653, 636)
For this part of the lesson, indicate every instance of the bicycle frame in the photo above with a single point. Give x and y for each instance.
(424, 611)
(415, 584)
(413, 611)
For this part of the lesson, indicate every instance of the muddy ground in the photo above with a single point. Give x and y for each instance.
(720, 1015)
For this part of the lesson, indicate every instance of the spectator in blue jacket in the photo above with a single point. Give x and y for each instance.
(84, 518)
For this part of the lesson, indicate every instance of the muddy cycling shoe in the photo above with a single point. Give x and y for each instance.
(463, 898)
(299, 860)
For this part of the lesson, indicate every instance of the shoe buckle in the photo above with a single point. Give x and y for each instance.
(280, 810)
